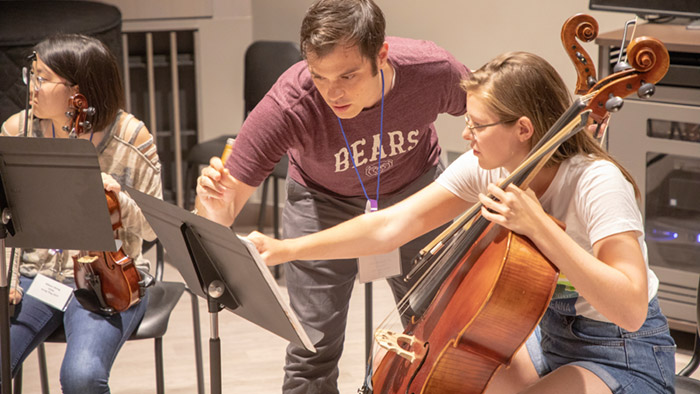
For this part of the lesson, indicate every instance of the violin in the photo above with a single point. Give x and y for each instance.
(79, 113)
(111, 277)
(483, 289)
(106, 282)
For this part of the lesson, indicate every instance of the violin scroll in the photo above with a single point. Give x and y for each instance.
(80, 111)
(585, 28)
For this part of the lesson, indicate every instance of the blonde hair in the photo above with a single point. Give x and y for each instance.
(517, 84)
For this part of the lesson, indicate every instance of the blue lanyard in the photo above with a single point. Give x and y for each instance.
(374, 204)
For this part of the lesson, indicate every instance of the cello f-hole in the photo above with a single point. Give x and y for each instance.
(425, 357)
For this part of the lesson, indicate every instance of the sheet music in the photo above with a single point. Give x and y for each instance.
(275, 289)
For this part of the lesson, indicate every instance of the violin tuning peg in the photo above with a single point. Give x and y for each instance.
(614, 104)
(646, 90)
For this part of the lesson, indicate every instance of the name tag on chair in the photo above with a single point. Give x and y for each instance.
(51, 292)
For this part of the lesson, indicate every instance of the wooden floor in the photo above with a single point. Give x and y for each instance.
(252, 358)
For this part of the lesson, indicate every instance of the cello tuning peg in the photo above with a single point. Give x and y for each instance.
(90, 111)
(646, 90)
(86, 125)
(65, 128)
(613, 104)
(591, 81)
(621, 66)
(69, 114)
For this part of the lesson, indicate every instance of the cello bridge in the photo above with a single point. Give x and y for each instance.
(87, 259)
(398, 343)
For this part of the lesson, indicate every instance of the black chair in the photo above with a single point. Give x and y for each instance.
(265, 61)
(163, 296)
(684, 383)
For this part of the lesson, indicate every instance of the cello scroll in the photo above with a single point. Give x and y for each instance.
(649, 60)
(585, 28)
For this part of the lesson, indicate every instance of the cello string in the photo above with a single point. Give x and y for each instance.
(428, 253)
(537, 158)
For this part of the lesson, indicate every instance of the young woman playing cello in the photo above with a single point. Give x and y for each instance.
(603, 331)
(66, 65)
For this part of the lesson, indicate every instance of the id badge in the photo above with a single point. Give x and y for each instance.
(380, 266)
(51, 292)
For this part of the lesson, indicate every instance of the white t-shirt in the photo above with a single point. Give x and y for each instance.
(592, 197)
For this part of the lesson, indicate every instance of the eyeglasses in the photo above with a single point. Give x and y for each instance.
(37, 81)
(473, 129)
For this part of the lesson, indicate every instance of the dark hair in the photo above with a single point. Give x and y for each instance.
(329, 23)
(88, 63)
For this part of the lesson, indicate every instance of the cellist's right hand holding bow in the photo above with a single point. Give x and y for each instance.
(216, 193)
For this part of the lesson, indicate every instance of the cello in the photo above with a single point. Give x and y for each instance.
(106, 282)
(486, 288)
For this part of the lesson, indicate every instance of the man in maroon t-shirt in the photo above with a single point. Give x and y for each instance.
(356, 120)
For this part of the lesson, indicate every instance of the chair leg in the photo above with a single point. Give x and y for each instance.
(275, 219)
(43, 373)
(197, 343)
(17, 382)
(263, 206)
(190, 182)
(160, 379)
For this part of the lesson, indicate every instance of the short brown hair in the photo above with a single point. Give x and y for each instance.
(88, 63)
(329, 23)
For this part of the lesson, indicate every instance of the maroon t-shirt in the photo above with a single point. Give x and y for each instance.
(293, 118)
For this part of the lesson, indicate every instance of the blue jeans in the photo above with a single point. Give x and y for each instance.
(92, 340)
(642, 361)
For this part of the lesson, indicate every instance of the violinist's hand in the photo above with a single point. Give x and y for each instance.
(110, 184)
(15, 296)
(216, 192)
(271, 249)
(517, 210)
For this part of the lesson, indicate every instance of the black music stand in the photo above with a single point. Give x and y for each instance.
(51, 196)
(220, 267)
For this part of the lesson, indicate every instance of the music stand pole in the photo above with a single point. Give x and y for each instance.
(214, 347)
(5, 227)
(6, 375)
(216, 291)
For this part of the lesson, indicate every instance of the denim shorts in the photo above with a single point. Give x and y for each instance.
(628, 362)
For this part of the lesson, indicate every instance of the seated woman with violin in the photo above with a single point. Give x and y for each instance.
(602, 331)
(66, 65)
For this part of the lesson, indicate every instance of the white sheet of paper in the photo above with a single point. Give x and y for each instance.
(379, 266)
(51, 292)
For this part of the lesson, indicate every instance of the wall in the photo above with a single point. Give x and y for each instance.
(474, 31)
(224, 31)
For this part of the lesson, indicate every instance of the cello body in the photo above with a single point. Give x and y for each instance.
(501, 289)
